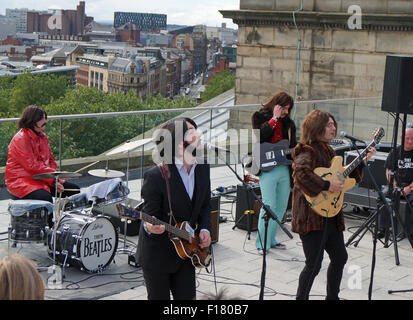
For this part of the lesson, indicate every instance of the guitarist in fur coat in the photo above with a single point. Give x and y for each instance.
(190, 190)
(316, 232)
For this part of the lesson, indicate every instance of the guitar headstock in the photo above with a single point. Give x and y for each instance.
(378, 135)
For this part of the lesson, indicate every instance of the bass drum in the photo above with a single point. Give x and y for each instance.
(88, 243)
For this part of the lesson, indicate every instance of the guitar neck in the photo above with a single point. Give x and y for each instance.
(170, 228)
(357, 160)
(333, 142)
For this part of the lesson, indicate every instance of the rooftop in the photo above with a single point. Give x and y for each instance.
(237, 267)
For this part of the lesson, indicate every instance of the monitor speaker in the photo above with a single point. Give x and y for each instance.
(246, 201)
(398, 85)
(215, 209)
(376, 165)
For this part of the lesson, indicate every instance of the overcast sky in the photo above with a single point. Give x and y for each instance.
(183, 12)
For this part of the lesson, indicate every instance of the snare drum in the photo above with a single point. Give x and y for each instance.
(88, 243)
(29, 220)
(30, 226)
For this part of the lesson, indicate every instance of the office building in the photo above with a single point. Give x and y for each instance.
(143, 21)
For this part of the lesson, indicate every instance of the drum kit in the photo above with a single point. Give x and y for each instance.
(79, 237)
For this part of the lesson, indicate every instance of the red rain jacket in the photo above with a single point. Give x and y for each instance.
(29, 154)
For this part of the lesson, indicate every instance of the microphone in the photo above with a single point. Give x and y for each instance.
(215, 148)
(345, 135)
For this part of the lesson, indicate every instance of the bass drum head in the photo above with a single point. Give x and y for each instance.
(98, 244)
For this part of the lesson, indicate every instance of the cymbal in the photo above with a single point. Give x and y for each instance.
(128, 146)
(58, 174)
(106, 173)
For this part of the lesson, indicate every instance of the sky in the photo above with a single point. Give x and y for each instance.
(182, 12)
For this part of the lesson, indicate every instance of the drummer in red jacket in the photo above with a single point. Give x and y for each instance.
(30, 154)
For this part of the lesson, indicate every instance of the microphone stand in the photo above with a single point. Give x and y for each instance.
(401, 191)
(389, 210)
(269, 214)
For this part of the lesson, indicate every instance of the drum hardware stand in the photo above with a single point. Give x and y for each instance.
(269, 214)
(127, 220)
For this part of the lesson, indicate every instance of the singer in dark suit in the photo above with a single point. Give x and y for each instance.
(190, 190)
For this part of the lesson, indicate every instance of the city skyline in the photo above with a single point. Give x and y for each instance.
(181, 12)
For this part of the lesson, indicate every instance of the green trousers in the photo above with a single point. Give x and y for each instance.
(275, 191)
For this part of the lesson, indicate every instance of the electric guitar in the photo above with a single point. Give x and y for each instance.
(328, 204)
(268, 155)
(183, 236)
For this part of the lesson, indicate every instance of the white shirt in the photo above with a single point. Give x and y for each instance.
(188, 178)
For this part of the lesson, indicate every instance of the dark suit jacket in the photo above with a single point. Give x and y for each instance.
(157, 252)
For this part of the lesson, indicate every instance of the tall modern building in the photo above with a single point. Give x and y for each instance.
(143, 21)
(20, 16)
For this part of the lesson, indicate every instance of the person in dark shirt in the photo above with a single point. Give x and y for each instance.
(403, 180)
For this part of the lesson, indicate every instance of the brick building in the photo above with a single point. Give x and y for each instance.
(129, 33)
(64, 22)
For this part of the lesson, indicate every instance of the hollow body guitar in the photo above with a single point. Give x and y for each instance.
(328, 204)
(185, 239)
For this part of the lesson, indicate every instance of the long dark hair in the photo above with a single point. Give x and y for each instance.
(314, 126)
(281, 98)
(30, 116)
(177, 129)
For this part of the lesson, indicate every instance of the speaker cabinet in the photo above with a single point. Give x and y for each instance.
(376, 165)
(398, 85)
(215, 210)
(246, 201)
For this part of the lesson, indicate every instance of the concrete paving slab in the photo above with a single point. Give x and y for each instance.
(238, 266)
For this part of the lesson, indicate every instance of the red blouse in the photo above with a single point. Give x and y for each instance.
(278, 132)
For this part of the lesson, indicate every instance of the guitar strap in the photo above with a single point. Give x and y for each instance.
(166, 174)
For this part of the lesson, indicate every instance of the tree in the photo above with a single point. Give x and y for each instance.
(93, 136)
(84, 136)
(6, 87)
(220, 83)
(36, 89)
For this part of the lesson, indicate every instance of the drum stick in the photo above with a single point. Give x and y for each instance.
(71, 189)
(89, 165)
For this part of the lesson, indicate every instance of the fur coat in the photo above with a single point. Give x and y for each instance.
(306, 159)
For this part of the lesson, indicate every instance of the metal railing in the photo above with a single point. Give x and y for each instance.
(359, 117)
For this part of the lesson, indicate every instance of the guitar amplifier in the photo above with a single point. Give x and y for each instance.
(111, 212)
(246, 201)
(376, 165)
(215, 210)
